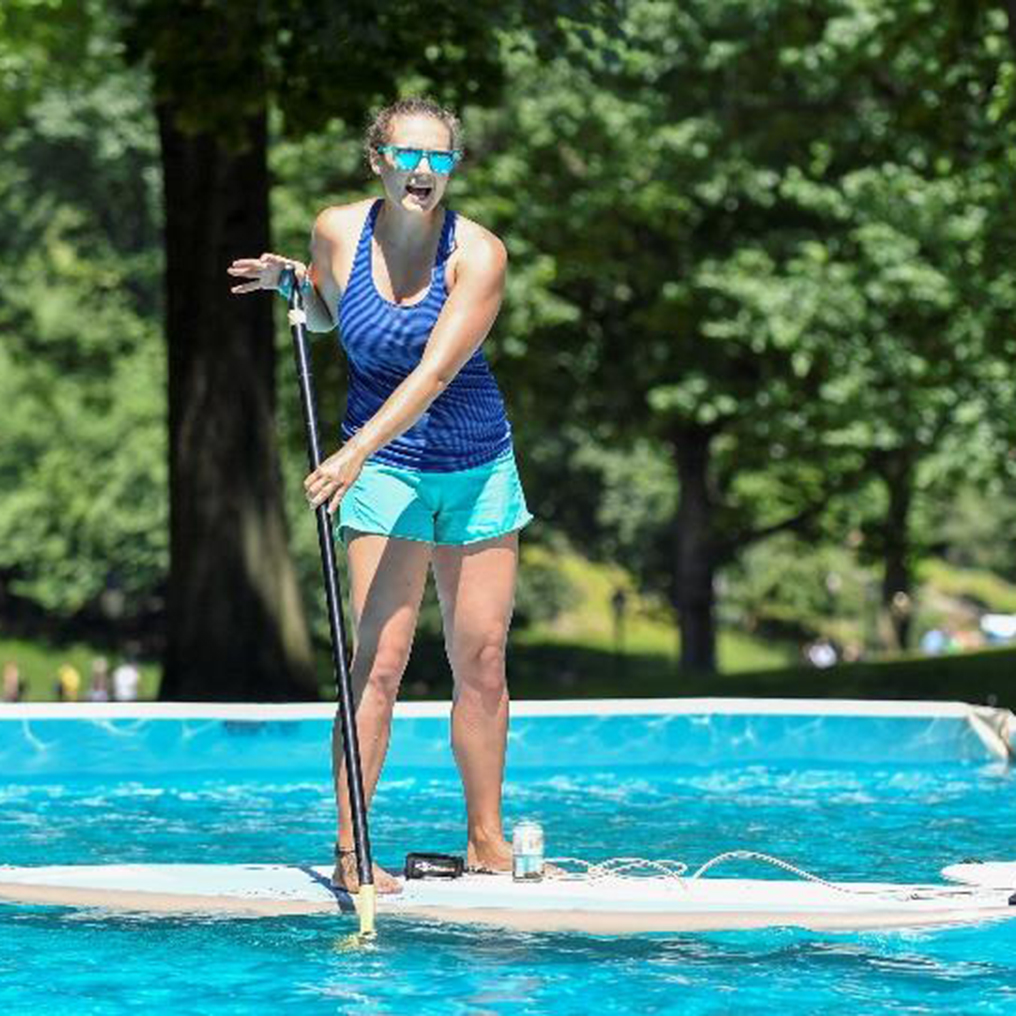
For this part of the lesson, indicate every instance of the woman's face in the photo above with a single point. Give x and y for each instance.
(419, 189)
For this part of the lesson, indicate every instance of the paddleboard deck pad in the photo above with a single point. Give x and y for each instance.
(606, 905)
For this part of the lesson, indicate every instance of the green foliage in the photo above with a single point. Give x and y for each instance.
(82, 373)
(787, 587)
(750, 228)
(42, 42)
(543, 594)
(973, 529)
(217, 63)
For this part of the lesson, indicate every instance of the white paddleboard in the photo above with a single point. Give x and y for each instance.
(605, 905)
(988, 874)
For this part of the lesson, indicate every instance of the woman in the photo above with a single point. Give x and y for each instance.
(426, 475)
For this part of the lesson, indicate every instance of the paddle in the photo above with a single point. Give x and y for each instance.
(366, 903)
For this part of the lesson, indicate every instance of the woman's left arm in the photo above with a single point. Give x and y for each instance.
(465, 320)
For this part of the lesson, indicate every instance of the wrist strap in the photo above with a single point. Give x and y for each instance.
(284, 287)
(288, 279)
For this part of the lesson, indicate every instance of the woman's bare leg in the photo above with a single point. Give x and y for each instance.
(387, 578)
(476, 586)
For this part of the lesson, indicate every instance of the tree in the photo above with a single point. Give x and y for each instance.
(82, 457)
(692, 198)
(674, 169)
(31, 32)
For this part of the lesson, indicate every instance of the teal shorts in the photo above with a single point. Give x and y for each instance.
(444, 508)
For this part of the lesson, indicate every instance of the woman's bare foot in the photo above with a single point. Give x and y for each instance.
(489, 855)
(492, 857)
(346, 876)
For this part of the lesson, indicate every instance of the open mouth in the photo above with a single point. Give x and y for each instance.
(420, 191)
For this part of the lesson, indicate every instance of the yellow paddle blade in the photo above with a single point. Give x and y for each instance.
(366, 907)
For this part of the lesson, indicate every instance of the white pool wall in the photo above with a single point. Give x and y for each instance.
(63, 739)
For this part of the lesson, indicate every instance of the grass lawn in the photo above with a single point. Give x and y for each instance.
(560, 669)
(575, 655)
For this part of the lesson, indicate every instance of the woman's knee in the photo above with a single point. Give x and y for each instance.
(478, 662)
(380, 672)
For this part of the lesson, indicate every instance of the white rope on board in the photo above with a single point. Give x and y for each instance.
(614, 867)
(908, 893)
(636, 868)
(752, 855)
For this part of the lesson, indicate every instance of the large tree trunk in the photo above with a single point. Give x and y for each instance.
(695, 565)
(236, 627)
(897, 469)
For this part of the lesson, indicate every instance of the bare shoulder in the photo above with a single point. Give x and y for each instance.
(476, 247)
(333, 245)
(336, 223)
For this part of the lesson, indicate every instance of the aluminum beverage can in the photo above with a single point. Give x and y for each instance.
(527, 852)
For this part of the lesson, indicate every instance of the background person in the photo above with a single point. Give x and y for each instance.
(13, 683)
(68, 683)
(99, 688)
(426, 475)
(126, 679)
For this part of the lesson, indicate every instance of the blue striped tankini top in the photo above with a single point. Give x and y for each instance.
(466, 425)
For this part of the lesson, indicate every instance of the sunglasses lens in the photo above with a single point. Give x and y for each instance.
(441, 162)
(407, 159)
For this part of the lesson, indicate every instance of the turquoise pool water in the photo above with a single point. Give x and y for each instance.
(887, 818)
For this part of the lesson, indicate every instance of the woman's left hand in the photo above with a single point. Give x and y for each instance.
(330, 481)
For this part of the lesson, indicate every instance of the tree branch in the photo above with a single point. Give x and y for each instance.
(726, 548)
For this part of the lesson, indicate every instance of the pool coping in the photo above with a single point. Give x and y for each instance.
(995, 728)
(529, 707)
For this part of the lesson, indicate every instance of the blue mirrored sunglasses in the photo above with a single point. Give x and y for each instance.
(407, 159)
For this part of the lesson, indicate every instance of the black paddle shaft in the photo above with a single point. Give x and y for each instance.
(333, 595)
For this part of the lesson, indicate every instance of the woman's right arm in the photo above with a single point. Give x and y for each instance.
(265, 272)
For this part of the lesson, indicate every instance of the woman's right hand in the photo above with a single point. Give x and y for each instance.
(262, 272)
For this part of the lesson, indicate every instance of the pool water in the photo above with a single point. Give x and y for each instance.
(849, 820)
